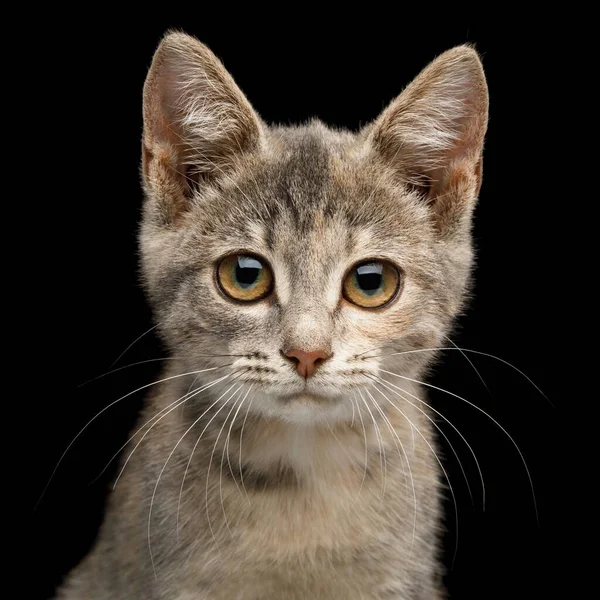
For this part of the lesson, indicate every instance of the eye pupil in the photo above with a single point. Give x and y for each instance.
(245, 276)
(247, 271)
(369, 284)
(369, 278)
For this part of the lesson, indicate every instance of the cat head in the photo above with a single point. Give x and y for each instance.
(310, 260)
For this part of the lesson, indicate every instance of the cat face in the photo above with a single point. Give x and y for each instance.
(304, 258)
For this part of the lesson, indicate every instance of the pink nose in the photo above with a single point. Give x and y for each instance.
(307, 362)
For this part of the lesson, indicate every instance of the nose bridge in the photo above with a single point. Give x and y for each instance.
(307, 326)
(306, 319)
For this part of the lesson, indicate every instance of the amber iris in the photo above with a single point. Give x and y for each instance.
(245, 278)
(371, 284)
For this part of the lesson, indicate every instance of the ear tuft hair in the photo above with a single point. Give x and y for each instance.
(435, 130)
(197, 122)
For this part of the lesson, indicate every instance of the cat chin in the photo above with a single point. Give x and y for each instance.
(307, 409)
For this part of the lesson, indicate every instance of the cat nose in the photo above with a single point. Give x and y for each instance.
(307, 362)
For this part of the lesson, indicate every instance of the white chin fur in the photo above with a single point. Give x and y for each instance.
(305, 410)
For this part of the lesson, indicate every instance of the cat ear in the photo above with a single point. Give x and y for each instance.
(197, 123)
(432, 135)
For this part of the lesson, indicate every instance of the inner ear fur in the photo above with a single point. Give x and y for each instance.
(432, 135)
(197, 123)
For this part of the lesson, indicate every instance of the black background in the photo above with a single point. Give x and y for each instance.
(91, 307)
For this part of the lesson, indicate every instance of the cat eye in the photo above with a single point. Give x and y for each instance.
(244, 277)
(371, 284)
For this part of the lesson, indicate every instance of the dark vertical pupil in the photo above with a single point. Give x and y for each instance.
(369, 278)
(247, 271)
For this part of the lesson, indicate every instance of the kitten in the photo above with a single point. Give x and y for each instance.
(299, 277)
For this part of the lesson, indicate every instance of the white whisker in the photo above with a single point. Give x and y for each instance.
(228, 436)
(389, 387)
(381, 448)
(133, 344)
(362, 483)
(240, 455)
(399, 441)
(135, 364)
(143, 387)
(163, 469)
(456, 348)
(489, 417)
(225, 448)
(181, 400)
(196, 444)
(439, 462)
(338, 441)
(209, 466)
(470, 362)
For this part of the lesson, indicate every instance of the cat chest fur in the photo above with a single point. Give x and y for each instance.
(308, 512)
